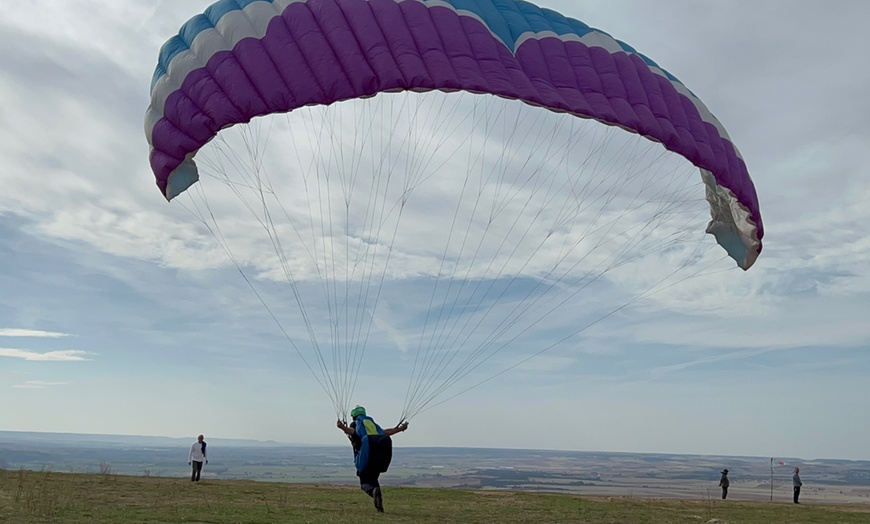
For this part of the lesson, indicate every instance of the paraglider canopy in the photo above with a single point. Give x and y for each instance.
(242, 59)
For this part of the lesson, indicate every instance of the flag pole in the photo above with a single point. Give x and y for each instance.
(771, 479)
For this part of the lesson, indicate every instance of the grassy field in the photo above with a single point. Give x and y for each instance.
(34, 497)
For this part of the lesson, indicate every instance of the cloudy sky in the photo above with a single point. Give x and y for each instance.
(118, 315)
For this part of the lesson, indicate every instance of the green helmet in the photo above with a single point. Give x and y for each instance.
(357, 411)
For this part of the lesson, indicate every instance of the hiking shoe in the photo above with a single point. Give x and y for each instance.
(379, 500)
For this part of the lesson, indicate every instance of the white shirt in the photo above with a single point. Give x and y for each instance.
(196, 453)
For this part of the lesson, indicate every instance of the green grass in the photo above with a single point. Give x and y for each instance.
(34, 497)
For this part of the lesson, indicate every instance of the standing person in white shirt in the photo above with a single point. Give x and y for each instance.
(196, 457)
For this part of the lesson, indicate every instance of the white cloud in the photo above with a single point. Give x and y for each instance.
(12, 332)
(39, 384)
(67, 355)
(661, 371)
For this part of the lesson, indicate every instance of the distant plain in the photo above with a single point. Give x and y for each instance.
(598, 474)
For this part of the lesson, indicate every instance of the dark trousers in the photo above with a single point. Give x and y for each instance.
(380, 454)
(368, 481)
(724, 492)
(797, 494)
(197, 469)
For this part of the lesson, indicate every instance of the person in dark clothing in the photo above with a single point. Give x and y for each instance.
(372, 451)
(796, 482)
(724, 483)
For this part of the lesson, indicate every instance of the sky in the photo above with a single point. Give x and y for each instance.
(120, 315)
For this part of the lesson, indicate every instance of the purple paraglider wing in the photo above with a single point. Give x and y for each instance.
(245, 58)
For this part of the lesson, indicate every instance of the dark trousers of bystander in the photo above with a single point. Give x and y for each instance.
(197, 469)
(797, 494)
(724, 492)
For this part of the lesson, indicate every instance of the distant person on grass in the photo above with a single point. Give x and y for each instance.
(724, 483)
(796, 482)
(196, 457)
(372, 451)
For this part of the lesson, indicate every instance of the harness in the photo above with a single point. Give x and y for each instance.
(375, 446)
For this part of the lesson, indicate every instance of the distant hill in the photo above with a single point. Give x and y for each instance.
(88, 440)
